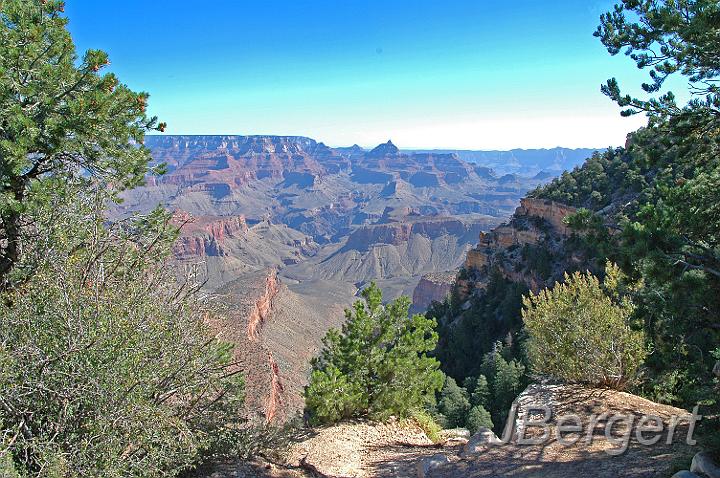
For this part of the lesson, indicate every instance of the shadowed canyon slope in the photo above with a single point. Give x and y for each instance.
(285, 230)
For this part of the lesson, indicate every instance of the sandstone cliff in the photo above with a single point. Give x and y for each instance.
(537, 225)
(206, 236)
(432, 288)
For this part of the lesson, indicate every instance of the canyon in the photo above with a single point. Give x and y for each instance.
(283, 231)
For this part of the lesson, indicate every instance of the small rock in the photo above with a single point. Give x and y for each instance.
(716, 369)
(456, 433)
(685, 474)
(480, 441)
(455, 436)
(424, 466)
(703, 463)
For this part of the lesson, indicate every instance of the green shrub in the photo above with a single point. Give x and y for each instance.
(7, 468)
(377, 365)
(428, 424)
(580, 331)
(107, 365)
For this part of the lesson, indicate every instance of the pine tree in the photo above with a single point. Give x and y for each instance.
(454, 403)
(377, 365)
(61, 119)
(478, 418)
(507, 385)
(668, 38)
(481, 392)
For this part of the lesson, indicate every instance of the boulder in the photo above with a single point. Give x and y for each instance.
(703, 464)
(456, 433)
(685, 474)
(425, 465)
(456, 436)
(480, 441)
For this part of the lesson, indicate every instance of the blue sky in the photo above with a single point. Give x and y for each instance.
(470, 74)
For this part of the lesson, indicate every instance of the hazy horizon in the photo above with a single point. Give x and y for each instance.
(371, 146)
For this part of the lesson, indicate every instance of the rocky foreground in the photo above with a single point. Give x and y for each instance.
(398, 449)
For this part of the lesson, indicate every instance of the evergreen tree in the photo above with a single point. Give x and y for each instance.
(478, 418)
(471, 334)
(481, 392)
(668, 37)
(454, 403)
(61, 118)
(507, 385)
(377, 365)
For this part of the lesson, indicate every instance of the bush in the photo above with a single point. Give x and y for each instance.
(377, 365)
(107, 365)
(428, 424)
(479, 418)
(580, 331)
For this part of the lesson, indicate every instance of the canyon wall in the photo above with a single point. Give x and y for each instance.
(536, 223)
(432, 288)
(276, 329)
(206, 236)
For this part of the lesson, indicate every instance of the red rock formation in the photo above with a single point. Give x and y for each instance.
(476, 259)
(204, 236)
(262, 306)
(222, 163)
(522, 230)
(248, 305)
(396, 233)
(275, 398)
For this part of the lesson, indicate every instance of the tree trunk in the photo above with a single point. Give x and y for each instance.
(9, 246)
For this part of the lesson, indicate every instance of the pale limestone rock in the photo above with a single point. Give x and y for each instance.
(685, 474)
(480, 441)
(703, 463)
(425, 465)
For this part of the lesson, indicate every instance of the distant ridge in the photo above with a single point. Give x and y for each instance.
(528, 161)
(545, 162)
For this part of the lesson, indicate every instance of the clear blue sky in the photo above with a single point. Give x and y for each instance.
(473, 74)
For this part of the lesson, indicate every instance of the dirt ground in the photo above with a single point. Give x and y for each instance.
(369, 450)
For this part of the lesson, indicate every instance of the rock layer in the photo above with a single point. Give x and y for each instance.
(432, 288)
